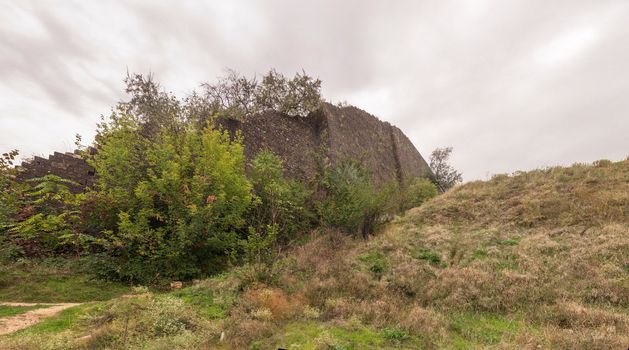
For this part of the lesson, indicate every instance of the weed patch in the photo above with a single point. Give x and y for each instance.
(376, 262)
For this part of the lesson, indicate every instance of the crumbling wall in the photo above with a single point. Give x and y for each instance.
(69, 166)
(331, 133)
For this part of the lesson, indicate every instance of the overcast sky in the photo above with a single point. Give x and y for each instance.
(511, 85)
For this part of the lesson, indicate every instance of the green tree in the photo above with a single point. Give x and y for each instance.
(444, 175)
(11, 201)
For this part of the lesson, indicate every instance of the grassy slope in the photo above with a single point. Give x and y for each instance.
(534, 260)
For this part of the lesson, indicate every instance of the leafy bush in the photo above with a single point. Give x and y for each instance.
(280, 202)
(175, 202)
(352, 202)
(417, 192)
(49, 218)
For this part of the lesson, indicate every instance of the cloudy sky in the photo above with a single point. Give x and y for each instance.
(511, 85)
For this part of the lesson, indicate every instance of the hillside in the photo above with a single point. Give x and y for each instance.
(534, 260)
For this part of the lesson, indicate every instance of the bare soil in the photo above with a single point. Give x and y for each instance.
(29, 318)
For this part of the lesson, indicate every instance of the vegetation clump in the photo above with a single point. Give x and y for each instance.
(444, 175)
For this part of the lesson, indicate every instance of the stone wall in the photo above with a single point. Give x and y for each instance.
(411, 163)
(294, 140)
(333, 133)
(66, 165)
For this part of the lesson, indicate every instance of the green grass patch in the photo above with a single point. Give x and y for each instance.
(56, 324)
(312, 335)
(509, 261)
(470, 330)
(7, 311)
(429, 255)
(203, 300)
(54, 281)
(480, 254)
(395, 334)
(511, 241)
(376, 262)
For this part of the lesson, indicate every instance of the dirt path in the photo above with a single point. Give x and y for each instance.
(27, 319)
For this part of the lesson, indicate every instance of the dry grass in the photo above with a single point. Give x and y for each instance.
(547, 248)
(536, 260)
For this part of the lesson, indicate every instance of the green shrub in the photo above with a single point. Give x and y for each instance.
(428, 255)
(49, 219)
(416, 192)
(175, 202)
(352, 202)
(260, 255)
(280, 202)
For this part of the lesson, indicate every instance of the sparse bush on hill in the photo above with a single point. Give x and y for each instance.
(416, 192)
(444, 175)
(352, 201)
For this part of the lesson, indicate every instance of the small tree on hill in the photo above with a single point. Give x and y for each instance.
(444, 175)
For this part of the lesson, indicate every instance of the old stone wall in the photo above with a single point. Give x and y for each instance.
(355, 134)
(411, 163)
(294, 140)
(331, 133)
(65, 165)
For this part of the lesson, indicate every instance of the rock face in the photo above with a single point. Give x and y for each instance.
(330, 134)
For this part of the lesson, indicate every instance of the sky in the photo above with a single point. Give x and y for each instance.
(510, 85)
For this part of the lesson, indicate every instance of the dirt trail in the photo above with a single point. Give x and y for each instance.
(27, 319)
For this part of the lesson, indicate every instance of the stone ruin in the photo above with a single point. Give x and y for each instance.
(330, 134)
(70, 166)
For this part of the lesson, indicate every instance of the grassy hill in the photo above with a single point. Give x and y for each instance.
(534, 260)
